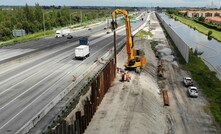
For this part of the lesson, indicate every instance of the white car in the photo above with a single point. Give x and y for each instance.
(192, 91)
(187, 81)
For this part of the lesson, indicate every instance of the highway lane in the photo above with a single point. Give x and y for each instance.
(33, 93)
(13, 50)
(55, 84)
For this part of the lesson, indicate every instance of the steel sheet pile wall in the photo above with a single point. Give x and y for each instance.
(99, 86)
(180, 44)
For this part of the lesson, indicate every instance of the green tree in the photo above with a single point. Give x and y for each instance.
(201, 18)
(38, 13)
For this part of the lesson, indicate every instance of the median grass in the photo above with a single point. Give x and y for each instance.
(27, 37)
(143, 33)
(48, 32)
(201, 28)
(208, 82)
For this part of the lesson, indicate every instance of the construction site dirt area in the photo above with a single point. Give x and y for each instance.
(137, 106)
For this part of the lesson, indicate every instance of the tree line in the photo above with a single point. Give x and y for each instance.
(30, 18)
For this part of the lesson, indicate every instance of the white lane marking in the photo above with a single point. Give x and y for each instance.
(29, 89)
(24, 79)
(15, 76)
(44, 92)
(75, 43)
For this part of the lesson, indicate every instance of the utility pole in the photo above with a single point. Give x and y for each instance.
(71, 16)
(70, 19)
(115, 49)
(44, 22)
(81, 17)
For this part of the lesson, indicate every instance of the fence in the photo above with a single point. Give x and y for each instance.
(98, 88)
(180, 44)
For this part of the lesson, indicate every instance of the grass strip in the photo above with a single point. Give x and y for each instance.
(208, 82)
(27, 37)
(143, 33)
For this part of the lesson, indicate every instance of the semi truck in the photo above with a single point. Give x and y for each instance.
(62, 33)
(82, 52)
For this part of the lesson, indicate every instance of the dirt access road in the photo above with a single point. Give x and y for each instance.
(137, 106)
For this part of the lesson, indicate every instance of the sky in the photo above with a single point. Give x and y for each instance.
(132, 3)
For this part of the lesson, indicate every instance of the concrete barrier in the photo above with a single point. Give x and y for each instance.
(178, 41)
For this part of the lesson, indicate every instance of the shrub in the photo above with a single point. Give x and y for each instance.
(210, 33)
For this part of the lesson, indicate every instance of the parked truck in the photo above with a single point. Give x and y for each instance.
(82, 52)
(62, 32)
(84, 41)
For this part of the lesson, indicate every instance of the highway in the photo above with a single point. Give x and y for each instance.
(34, 72)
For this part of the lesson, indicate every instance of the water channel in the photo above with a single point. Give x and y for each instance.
(211, 48)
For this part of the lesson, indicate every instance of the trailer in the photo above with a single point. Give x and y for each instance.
(62, 32)
(82, 52)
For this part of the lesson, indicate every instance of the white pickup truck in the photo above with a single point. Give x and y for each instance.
(82, 52)
(187, 81)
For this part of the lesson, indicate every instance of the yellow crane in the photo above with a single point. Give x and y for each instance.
(136, 58)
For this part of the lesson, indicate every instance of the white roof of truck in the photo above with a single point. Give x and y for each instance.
(82, 46)
(188, 78)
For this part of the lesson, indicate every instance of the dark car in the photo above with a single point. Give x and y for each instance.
(89, 28)
(69, 36)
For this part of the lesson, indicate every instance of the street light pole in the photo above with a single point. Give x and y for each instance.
(44, 21)
(81, 17)
(71, 16)
(115, 49)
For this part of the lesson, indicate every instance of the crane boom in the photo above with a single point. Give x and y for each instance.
(129, 42)
(135, 58)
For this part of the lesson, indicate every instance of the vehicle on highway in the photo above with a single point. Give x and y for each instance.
(82, 52)
(108, 32)
(84, 41)
(192, 91)
(69, 36)
(187, 81)
(89, 28)
(62, 32)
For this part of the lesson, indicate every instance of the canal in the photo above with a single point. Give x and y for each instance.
(211, 48)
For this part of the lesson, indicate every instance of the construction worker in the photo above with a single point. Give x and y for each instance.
(73, 78)
(122, 76)
(128, 78)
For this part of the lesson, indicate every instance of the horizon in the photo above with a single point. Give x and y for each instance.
(122, 3)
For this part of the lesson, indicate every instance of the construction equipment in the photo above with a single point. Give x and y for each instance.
(136, 58)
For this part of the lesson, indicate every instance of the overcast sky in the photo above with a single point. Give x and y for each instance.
(146, 3)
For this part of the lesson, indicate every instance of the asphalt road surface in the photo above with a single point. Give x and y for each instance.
(34, 72)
